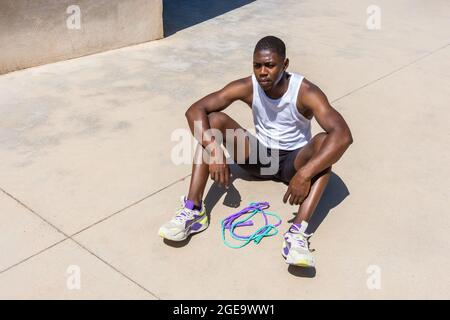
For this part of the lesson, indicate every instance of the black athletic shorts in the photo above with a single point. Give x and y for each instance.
(267, 163)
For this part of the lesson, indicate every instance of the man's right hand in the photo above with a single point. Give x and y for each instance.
(218, 167)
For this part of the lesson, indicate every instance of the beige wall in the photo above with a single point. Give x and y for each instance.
(34, 32)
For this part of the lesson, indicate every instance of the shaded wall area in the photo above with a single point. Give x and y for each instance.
(181, 14)
(43, 31)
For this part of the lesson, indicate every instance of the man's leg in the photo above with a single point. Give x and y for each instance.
(318, 182)
(200, 169)
(192, 218)
(295, 244)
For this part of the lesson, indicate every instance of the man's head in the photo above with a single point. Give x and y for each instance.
(269, 61)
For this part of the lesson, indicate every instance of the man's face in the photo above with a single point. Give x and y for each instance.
(268, 67)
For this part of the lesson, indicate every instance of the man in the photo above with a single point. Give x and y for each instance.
(283, 105)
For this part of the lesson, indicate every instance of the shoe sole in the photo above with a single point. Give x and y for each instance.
(298, 261)
(182, 236)
(301, 263)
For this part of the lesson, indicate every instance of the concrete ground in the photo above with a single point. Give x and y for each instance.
(87, 176)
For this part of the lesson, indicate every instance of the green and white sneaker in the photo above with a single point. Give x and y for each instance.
(187, 221)
(296, 248)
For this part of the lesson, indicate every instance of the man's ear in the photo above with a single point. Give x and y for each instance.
(286, 64)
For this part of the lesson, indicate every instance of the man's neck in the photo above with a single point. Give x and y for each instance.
(280, 88)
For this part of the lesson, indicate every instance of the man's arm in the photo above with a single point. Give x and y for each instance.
(337, 140)
(197, 116)
(338, 137)
(217, 101)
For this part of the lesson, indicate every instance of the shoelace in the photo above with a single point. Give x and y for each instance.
(302, 240)
(183, 213)
(253, 209)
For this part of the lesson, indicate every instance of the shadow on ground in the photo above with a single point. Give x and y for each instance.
(232, 198)
(181, 14)
(335, 192)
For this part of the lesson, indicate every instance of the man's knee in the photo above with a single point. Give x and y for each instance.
(319, 140)
(217, 120)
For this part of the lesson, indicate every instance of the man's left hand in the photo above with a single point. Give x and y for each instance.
(298, 189)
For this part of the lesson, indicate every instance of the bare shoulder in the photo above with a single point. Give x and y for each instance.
(310, 95)
(241, 89)
(308, 89)
(243, 85)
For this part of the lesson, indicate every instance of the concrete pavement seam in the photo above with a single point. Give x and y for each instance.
(33, 255)
(391, 73)
(70, 237)
(115, 269)
(130, 205)
(21, 203)
(34, 212)
(89, 251)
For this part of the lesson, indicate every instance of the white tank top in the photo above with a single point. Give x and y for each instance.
(278, 124)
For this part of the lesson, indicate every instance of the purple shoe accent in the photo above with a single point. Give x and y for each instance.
(196, 226)
(287, 247)
(189, 204)
(190, 222)
(295, 228)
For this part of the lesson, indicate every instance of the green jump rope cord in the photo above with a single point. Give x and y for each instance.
(254, 208)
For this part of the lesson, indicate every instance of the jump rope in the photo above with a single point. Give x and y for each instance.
(231, 223)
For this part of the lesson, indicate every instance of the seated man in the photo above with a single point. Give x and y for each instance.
(283, 104)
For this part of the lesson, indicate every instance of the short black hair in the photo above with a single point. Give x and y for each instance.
(273, 44)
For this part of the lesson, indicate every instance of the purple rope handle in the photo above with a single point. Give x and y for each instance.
(258, 206)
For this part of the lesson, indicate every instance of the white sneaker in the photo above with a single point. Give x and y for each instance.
(296, 249)
(186, 222)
